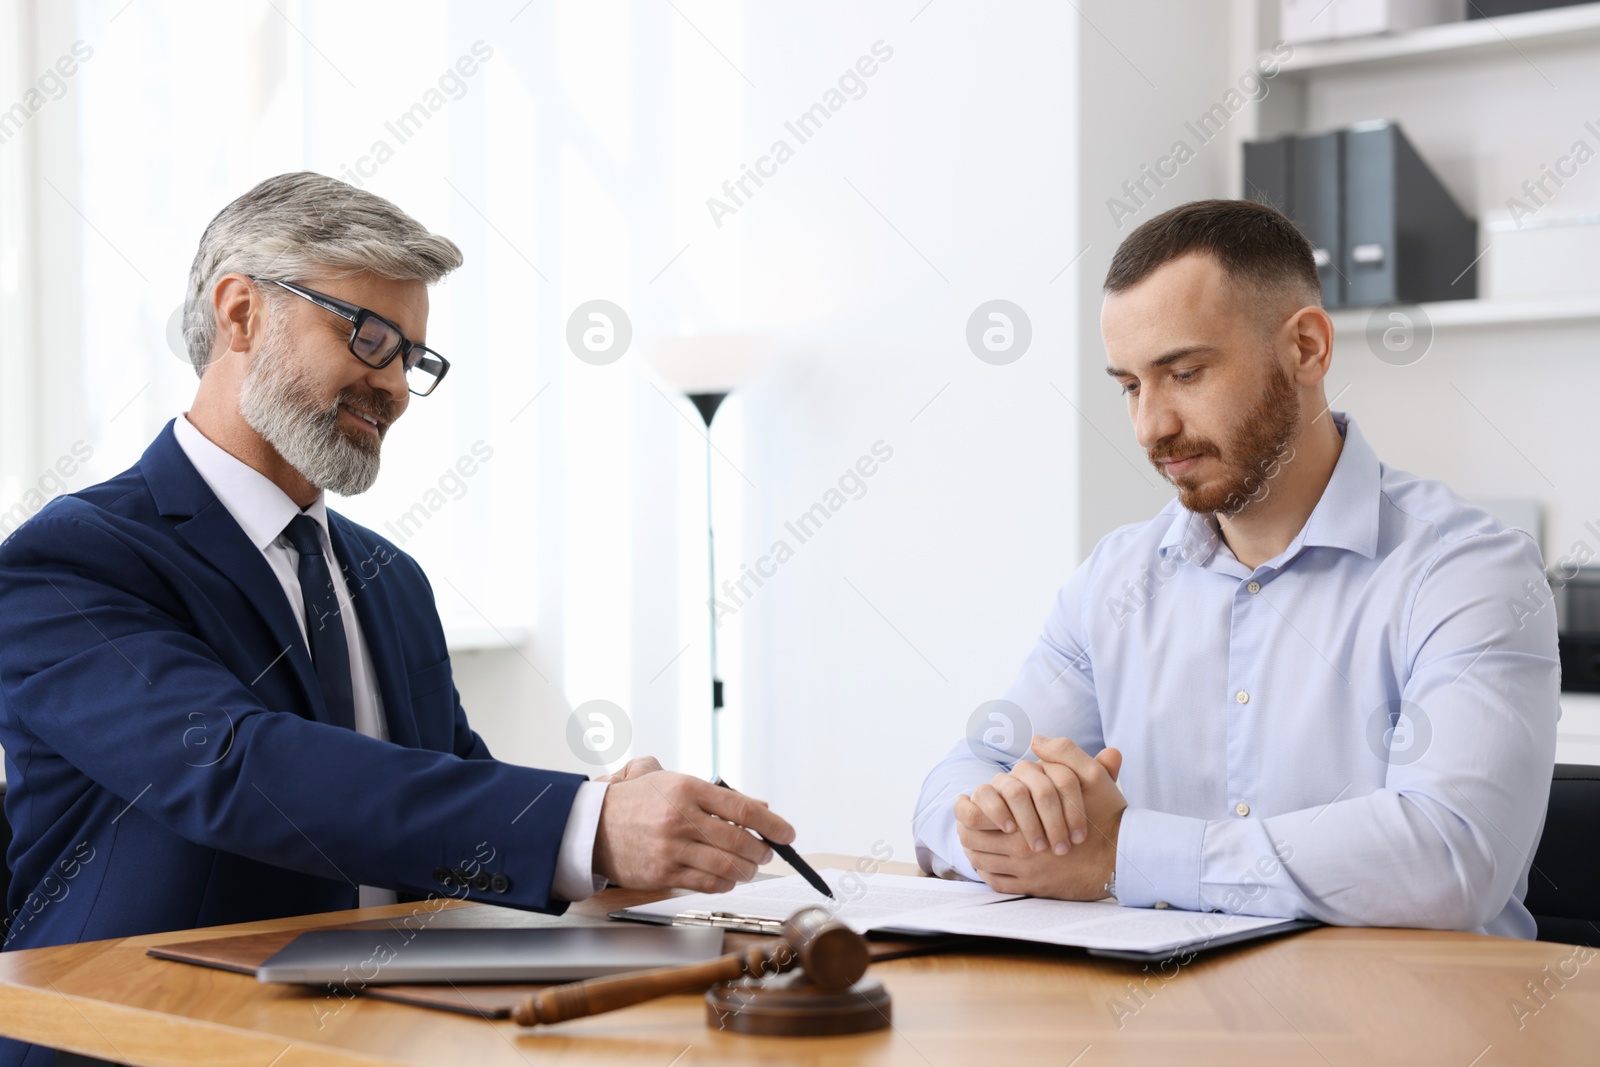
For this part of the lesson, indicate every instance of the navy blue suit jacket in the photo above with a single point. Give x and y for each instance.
(169, 758)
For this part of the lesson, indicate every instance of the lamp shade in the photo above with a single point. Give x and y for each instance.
(705, 363)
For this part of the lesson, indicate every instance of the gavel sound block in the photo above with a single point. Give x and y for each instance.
(822, 988)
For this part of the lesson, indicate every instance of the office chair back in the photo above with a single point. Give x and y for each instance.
(1564, 885)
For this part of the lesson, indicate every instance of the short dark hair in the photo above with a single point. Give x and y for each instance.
(1257, 246)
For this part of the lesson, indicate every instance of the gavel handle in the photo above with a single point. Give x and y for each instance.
(578, 999)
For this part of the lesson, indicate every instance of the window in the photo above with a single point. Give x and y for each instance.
(534, 489)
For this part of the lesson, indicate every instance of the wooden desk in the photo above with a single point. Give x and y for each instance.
(1330, 996)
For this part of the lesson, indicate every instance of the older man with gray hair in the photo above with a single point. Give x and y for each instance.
(221, 701)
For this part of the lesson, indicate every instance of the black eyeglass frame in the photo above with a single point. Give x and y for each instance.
(358, 317)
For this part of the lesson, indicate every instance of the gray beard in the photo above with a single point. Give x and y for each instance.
(282, 409)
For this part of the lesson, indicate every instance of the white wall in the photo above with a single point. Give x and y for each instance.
(990, 142)
(1141, 90)
(963, 142)
(913, 605)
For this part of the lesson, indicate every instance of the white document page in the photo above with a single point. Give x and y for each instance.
(864, 901)
(1083, 924)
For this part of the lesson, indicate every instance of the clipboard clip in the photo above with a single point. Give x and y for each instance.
(727, 920)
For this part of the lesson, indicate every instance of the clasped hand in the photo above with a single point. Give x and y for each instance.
(1046, 828)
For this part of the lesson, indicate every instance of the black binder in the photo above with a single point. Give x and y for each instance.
(1382, 227)
(1300, 176)
(1318, 207)
(1267, 166)
(1405, 238)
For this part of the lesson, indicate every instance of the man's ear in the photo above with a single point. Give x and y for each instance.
(1309, 335)
(241, 316)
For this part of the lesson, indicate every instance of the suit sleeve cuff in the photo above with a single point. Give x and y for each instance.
(575, 878)
(1158, 859)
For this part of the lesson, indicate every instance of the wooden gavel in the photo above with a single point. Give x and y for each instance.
(832, 956)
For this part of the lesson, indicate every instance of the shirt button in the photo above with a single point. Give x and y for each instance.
(1254, 587)
(1241, 808)
(1242, 697)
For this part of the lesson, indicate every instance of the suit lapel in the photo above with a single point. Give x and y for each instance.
(364, 572)
(213, 534)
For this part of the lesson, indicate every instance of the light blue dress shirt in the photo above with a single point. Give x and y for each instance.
(1359, 731)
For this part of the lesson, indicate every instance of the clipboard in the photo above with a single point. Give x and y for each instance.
(729, 921)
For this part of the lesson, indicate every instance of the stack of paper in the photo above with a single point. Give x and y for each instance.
(900, 904)
(864, 902)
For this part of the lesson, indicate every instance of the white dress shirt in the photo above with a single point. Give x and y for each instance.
(1360, 730)
(263, 511)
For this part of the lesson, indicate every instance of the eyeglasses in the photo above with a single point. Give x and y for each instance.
(375, 341)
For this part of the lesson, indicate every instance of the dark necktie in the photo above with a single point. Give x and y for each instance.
(324, 624)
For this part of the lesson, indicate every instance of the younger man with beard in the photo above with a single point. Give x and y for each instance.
(221, 701)
(1315, 678)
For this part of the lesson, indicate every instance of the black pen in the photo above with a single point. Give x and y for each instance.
(790, 856)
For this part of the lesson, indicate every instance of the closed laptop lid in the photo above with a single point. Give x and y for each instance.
(541, 954)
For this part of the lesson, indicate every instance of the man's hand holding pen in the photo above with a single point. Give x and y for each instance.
(1046, 828)
(659, 830)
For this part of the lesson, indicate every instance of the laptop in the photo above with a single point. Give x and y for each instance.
(538, 954)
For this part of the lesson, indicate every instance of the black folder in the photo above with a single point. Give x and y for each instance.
(1302, 177)
(1405, 238)
(1267, 167)
(1317, 174)
(1382, 227)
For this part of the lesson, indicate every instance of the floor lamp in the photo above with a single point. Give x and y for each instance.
(706, 368)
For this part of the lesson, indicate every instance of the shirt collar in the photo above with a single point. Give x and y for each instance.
(1346, 516)
(261, 509)
(1197, 537)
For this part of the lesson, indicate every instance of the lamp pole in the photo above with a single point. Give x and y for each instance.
(707, 404)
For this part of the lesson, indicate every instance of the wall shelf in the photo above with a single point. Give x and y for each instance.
(482, 638)
(1562, 25)
(1449, 313)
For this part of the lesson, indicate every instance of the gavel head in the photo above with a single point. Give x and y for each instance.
(833, 956)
